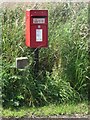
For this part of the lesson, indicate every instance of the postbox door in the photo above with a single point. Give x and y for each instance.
(39, 36)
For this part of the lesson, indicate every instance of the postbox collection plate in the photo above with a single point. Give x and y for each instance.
(39, 35)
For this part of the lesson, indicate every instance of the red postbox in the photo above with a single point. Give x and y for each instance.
(36, 28)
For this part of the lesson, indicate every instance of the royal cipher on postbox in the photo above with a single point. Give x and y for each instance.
(36, 28)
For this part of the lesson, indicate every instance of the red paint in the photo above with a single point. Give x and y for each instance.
(32, 25)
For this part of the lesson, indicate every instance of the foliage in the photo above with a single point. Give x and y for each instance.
(62, 66)
(69, 109)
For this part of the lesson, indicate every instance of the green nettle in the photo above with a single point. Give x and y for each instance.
(62, 66)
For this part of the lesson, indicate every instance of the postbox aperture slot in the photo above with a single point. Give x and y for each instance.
(38, 19)
(39, 16)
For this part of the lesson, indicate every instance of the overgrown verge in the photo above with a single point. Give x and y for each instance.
(63, 66)
(59, 110)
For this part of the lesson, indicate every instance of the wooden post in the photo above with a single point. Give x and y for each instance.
(36, 62)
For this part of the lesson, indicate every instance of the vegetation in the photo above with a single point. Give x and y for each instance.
(63, 66)
(80, 109)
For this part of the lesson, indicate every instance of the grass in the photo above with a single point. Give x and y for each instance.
(50, 110)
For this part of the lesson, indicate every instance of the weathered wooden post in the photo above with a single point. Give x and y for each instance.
(36, 62)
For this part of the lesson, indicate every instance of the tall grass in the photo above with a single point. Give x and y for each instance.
(62, 66)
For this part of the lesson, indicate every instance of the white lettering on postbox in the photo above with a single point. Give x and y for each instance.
(38, 20)
(39, 35)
